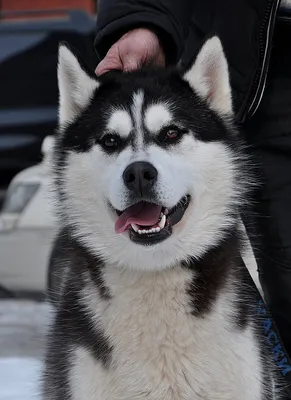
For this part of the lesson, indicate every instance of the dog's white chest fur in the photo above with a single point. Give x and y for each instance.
(160, 350)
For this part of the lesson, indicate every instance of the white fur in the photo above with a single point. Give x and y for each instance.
(75, 86)
(191, 171)
(159, 352)
(136, 109)
(209, 76)
(156, 117)
(86, 376)
(120, 123)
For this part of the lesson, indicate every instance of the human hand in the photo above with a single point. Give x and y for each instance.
(133, 50)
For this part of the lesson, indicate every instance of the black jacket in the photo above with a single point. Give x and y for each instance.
(245, 28)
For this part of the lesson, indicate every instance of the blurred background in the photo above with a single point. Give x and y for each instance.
(30, 32)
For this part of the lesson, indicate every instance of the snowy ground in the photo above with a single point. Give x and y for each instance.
(23, 325)
(19, 378)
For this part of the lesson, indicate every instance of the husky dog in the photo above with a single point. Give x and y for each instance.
(151, 180)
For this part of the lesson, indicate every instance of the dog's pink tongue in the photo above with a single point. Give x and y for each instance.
(145, 214)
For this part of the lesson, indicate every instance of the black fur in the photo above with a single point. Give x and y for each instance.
(72, 325)
(211, 273)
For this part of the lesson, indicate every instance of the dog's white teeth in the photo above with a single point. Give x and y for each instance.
(166, 212)
(147, 231)
(134, 227)
(162, 222)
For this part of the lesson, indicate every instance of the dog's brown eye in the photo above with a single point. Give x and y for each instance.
(172, 134)
(110, 142)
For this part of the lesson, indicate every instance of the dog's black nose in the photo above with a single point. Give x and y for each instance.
(140, 176)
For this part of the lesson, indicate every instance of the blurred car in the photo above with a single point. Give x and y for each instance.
(27, 229)
(28, 63)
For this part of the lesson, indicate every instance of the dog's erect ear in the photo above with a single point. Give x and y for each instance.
(76, 86)
(209, 76)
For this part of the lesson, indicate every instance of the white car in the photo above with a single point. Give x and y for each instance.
(27, 229)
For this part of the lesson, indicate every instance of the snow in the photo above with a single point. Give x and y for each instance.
(19, 378)
(23, 327)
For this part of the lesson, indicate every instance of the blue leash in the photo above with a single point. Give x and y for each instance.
(272, 338)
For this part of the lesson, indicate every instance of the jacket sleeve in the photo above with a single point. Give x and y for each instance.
(170, 19)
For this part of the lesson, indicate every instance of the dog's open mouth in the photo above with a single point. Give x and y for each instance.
(150, 223)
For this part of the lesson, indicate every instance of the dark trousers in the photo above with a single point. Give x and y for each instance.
(269, 134)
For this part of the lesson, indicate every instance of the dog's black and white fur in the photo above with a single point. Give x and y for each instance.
(160, 313)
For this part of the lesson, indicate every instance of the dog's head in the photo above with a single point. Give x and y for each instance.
(146, 162)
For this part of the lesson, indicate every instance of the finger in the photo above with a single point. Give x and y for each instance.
(108, 63)
(103, 67)
(131, 64)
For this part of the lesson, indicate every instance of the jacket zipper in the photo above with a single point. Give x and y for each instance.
(259, 83)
